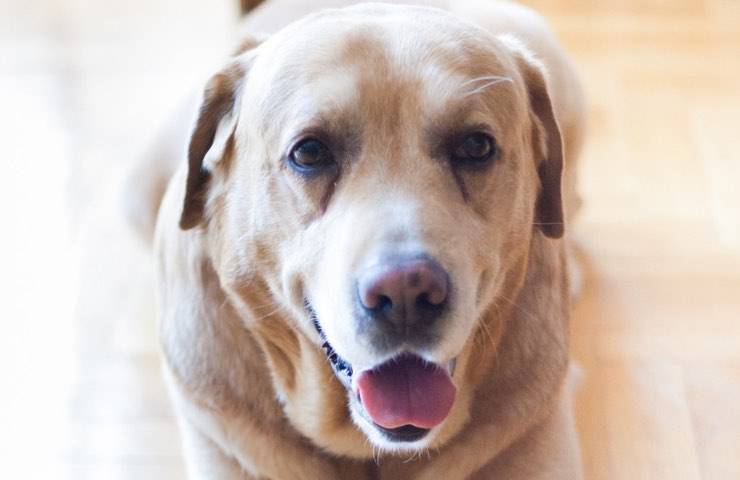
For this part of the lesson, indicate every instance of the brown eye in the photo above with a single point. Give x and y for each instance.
(310, 156)
(475, 148)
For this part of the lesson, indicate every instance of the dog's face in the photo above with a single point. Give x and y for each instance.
(381, 169)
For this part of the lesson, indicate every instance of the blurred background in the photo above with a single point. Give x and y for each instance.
(84, 86)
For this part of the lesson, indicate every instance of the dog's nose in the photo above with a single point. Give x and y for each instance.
(404, 292)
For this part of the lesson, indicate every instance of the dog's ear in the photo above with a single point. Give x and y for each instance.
(548, 143)
(213, 129)
(216, 117)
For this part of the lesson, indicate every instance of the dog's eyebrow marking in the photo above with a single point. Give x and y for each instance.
(488, 81)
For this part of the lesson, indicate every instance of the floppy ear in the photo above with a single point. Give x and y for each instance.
(215, 116)
(213, 128)
(548, 143)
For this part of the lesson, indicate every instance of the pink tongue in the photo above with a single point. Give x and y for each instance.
(406, 391)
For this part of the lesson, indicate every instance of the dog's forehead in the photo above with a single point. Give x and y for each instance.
(330, 60)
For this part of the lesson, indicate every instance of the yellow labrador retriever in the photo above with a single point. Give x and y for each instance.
(360, 266)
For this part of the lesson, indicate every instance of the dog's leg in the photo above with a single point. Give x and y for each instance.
(549, 451)
(205, 460)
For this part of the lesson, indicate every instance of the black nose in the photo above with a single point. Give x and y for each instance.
(406, 292)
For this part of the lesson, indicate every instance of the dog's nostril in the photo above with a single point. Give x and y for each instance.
(436, 294)
(424, 301)
(383, 303)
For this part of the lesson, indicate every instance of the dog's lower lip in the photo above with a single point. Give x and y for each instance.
(406, 433)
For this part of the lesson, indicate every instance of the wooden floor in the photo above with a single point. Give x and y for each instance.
(657, 330)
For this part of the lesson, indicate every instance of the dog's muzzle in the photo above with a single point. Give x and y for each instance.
(404, 397)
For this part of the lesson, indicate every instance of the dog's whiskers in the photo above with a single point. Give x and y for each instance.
(531, 316)
(411, 458)
(490, 80)
(428, 453)
(488, 333)
(376, 454)
(518, 307)
(263, 306)
(269, 314)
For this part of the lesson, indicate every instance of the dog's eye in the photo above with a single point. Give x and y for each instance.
(475, 148)
(310, 155)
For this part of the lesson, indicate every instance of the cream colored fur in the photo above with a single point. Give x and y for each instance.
(254, 393)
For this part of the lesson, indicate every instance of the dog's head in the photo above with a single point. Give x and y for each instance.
(380, 170)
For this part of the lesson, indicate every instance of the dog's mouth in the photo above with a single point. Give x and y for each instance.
(406, 392)
(404, 397)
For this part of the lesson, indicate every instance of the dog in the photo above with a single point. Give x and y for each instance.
(361, 266)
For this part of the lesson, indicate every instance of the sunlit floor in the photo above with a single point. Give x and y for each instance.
(83, 85)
